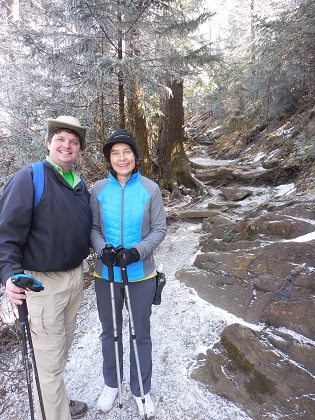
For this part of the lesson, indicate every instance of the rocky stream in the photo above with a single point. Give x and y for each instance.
(256, 261)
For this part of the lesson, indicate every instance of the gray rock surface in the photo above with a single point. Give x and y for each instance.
(254, 264)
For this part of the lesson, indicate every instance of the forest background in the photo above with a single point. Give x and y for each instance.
(231, 72)
(152, 67)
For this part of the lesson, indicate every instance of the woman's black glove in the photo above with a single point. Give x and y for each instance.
(108, 255)
(125, 257)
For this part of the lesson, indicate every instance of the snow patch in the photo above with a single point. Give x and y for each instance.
(304, 238)
(183, 326)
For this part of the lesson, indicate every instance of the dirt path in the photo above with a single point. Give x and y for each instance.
(182, 327)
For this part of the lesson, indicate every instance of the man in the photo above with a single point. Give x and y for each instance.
(50, 243)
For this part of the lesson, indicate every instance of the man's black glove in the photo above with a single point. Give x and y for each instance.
(125, 257)
(108, 255)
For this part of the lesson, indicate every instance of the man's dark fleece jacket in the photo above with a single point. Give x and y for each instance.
(53, 237)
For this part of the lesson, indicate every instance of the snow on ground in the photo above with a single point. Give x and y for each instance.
(284, 190)
(259, 194)
(182, 326)
(205, 161)
(304, 238)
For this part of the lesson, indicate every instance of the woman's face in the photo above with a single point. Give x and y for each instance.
(123, 161)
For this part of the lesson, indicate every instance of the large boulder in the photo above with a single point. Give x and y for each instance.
(249, 369)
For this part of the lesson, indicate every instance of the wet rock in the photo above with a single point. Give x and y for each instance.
(218, 225)
(292, 315)
(248, 369)
(270, 226)
(235, 194)
(245, 174)
(213, 174)
(295, 348)
(257, 269)
(222, 291)
(196, 214)
(257, 263)
(223, 204)
(270, 274)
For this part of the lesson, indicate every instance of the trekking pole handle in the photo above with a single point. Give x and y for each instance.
(107, 255)
(124, 276)
(109, 246)
(27, 282)
(118, 248)
(110, 268)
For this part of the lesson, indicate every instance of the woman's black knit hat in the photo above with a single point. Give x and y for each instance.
(120, 136)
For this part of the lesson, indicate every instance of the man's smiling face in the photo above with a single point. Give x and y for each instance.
(64, 148)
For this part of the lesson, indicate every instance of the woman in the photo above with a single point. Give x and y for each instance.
(128, 214)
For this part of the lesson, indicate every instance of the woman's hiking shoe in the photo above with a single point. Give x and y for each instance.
(149, 406)
(77, 408)
(107, 398)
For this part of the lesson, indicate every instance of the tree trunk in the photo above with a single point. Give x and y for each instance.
(173, 164)
(100, 108)
(136, 115)
(139, 129)
(121, 90)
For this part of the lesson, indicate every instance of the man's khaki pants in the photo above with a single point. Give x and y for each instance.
(52, 318)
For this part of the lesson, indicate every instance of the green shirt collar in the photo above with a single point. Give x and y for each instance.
(58, 169)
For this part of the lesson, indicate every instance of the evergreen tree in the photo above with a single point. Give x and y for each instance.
(183, 54)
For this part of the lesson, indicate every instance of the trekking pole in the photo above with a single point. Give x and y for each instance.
(28, 282)
(134, 341)
(112, 298)
(22, 309)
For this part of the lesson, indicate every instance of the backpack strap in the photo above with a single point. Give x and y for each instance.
(38, 181)
(82, 183)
